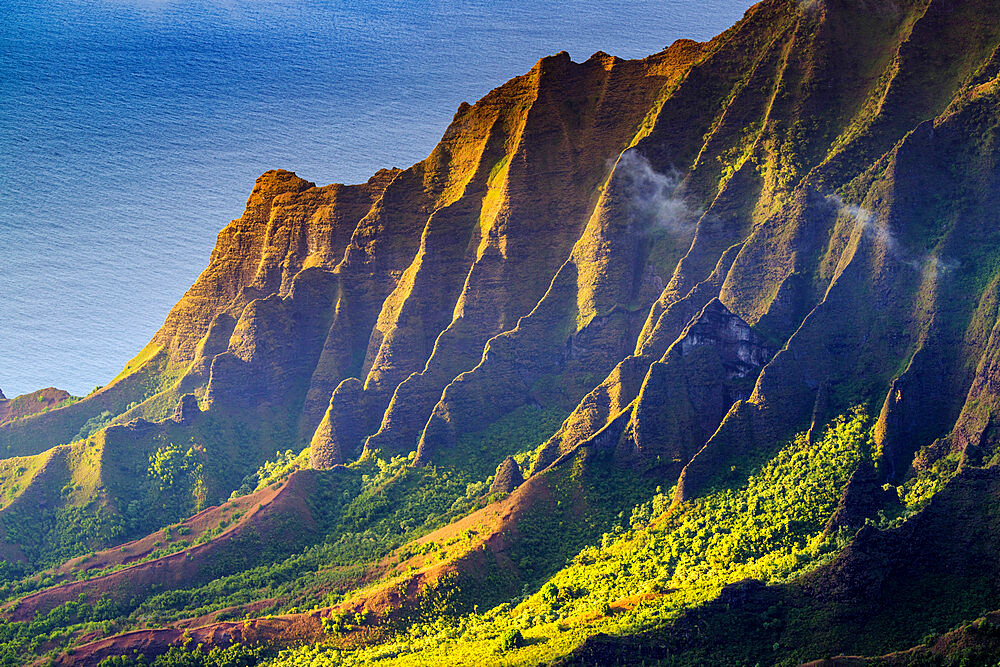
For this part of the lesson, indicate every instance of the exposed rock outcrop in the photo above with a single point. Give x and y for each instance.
(508, 476)
(688, 392)
(739, 347)
(187, 409)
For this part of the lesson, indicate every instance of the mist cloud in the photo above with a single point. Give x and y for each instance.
(654, 198)
(879, 232)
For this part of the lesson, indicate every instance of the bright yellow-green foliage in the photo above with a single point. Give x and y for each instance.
(17, 473)
(654, 565)
(282, 466)
(916, 492)
(276, 470)
(176, 473)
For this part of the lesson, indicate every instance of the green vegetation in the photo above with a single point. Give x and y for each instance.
(364, 512)
(173, 487)
(917, 491)
(517, 434)
(56, 535)
(272, 471)
(50, 632)
(175, 476)
(656, 563)
(236, 655)
(93, 425)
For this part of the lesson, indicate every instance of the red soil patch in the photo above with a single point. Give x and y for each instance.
(206, 520)
(624, 604)
(266, 513)
(281, 630)
(493, 527)
(490, 529)
(237, 611)
(30, 404)
(633, 601)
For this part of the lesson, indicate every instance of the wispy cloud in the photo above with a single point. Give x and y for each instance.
(654, 197)
(878, 231)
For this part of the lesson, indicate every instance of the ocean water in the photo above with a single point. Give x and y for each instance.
(131, 131)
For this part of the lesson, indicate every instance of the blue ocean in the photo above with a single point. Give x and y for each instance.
(131, 131)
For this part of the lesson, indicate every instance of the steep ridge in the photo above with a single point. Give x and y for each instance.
(510, 251)
(472, 207)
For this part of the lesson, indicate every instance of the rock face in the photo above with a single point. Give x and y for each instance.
(739, 347)
(508, 476)
(187, 409)
(686, 394)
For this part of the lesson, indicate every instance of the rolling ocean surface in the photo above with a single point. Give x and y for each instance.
(131, 132)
